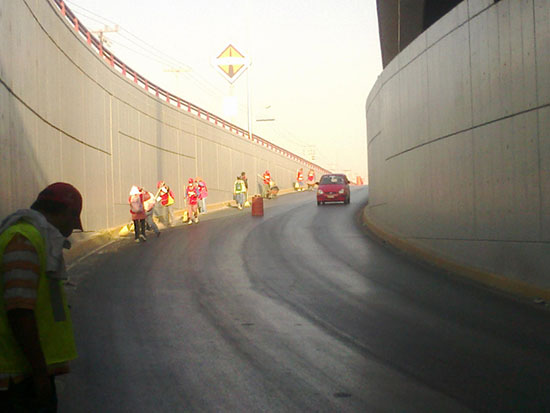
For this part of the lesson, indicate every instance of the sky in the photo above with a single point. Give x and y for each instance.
(313, 64)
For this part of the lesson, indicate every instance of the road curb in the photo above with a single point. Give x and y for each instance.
(497, 281)
(82, 244)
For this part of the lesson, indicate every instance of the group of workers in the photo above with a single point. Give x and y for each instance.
(143, 204)
(300, 184)
(195, 196)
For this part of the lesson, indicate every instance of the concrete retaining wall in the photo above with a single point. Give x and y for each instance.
(67, 115)
(459, 140)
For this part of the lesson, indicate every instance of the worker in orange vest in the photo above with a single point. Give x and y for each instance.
(311, 180)
(300, 180)
(266, 187)
(166, 198)
(192, 196)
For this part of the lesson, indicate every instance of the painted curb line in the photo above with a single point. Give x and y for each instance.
(497, 281)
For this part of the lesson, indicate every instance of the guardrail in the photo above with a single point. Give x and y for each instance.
(132, 75)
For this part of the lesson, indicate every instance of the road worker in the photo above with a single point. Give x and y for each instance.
(311, 180)
(239, 192)
(203, 194)
(136, 200)
(165, 201)
(192, 197)
(300, 180)
(36, 332)
(266, 184)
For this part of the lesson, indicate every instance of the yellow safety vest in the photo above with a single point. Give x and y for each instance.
(52, 314)
(240, 186)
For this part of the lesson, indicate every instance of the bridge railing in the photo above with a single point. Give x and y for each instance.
(182, 104)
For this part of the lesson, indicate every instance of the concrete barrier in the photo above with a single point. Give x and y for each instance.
(459, 141)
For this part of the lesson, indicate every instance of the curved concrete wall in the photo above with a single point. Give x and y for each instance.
(459, 140)
(67, 115)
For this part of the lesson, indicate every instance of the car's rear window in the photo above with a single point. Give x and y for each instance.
(331, 180)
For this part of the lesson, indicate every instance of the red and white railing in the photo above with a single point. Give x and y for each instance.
(133, 76)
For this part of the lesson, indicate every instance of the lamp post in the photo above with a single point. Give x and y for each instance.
(231, 64)
(248, 101)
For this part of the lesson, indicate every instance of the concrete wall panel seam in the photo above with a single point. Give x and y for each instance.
(540, 169)
(47, 122)
(473, 149)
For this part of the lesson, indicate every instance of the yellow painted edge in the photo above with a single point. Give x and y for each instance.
(497, 281)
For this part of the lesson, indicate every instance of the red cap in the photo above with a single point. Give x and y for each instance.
(159, 184)
(191, 180)
(67, 195)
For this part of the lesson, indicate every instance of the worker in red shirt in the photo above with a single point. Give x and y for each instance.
(192, 196)
(311, 180)
(166, 198)
(137, 210)
(300, 180)
(266, 187)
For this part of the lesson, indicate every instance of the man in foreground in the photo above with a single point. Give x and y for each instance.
(36, 334)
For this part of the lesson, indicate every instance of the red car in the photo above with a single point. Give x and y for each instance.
(333, 188)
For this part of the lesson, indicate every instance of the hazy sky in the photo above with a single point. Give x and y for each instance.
(313, 63)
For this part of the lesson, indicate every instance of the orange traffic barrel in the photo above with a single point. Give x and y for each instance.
(257, 206)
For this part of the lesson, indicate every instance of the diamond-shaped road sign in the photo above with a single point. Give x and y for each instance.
(231, 63)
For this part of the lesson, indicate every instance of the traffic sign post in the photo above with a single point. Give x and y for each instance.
(231, 64)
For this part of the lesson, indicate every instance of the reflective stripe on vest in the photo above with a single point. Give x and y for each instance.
(56, 337)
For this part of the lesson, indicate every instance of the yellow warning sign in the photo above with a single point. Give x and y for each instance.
(231, 63)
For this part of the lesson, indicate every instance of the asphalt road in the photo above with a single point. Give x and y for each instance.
(298, 311)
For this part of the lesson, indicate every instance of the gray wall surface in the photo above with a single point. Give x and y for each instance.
(67, 115)
(459, 140)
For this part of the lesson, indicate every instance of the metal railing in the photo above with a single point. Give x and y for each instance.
(132, 75)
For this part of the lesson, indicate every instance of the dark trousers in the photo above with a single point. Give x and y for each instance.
(139, 227)
(150, 222)
(21, 398)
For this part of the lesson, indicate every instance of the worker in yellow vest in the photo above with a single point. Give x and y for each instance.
(36, 334)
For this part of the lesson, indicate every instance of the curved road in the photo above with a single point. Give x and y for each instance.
(298, 311)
